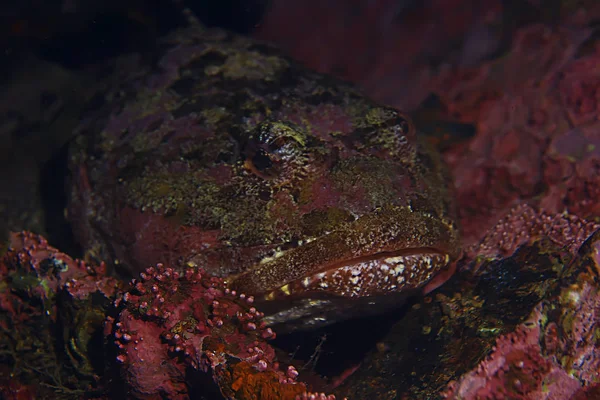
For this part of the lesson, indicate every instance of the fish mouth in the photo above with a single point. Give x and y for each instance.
(388, 251)
(368, 276)
(362, 286)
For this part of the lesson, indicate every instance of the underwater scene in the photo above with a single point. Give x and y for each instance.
(300, 199)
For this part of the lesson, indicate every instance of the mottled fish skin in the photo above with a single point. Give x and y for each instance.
(305, 194)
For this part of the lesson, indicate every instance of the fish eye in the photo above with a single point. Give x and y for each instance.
(261, 160)
(272, 147)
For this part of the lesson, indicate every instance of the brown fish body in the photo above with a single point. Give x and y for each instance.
(302, 192)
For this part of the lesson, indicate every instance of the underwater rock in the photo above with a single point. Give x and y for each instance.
(521, 327)
(554, 353)
(172, 321)
(69, 330)
(53, 311)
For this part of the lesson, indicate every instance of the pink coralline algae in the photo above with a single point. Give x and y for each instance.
(517, 370)
(573, 161)
(51, 305)
(514, 156)
(316, 396)
(537, 132)
(31, 255)
(523, 224)
(172, 321)
(168, 324)
(553, 354)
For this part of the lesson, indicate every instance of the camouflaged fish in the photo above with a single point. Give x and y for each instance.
(303, 193)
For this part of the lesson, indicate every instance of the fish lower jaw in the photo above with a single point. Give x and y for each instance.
(373, 276)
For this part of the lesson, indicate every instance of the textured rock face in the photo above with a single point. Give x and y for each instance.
(52, 311)
(520, 327)
(227, 155)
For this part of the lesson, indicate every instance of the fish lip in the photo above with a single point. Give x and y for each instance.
(380, 255)
(391, 271)
(390, 231)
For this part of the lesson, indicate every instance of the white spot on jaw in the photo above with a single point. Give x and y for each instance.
(400, 269)
(378, 275)
(394, 260)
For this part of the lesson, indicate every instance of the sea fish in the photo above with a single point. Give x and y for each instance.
(220, 152)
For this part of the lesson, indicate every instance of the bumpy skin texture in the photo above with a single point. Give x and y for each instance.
(229, 156)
